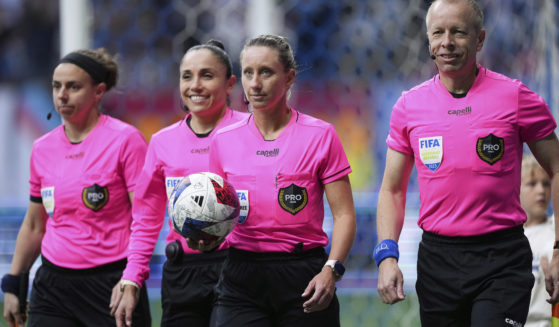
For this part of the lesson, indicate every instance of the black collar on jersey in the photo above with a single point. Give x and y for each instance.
(95, 69)
(462, 95)
(201, 135)
(458, 95)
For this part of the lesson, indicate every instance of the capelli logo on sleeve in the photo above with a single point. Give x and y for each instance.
(268, 153)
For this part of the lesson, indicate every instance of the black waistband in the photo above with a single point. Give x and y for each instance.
(109, 267)
(175, 253)
(275, 256)
(478, 239)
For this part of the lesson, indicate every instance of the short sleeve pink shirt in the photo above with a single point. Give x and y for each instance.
(468, 150)
(281, 182)
(174, 152)
(84, 189)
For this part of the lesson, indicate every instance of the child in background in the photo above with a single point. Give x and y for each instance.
(535, 194)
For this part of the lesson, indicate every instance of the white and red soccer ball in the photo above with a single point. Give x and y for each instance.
(204, 206)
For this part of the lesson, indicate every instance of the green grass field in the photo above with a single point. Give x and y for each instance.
(355, 311)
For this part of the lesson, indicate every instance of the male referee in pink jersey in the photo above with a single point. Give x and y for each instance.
(464, 130)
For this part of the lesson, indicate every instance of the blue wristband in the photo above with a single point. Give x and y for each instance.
(386, 249)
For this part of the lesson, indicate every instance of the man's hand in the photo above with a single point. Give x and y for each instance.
(390, 282)
(551, 273)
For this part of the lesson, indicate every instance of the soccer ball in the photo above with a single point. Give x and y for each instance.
(203, 206)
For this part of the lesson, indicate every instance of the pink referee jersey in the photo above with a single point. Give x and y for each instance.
(280, 183)
(468, 151)
(84, 189)
(174, 152)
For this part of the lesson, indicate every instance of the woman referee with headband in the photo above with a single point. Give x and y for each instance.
(83, 174)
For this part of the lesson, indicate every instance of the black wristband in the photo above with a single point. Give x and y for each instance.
(555, 245)
(10, 284)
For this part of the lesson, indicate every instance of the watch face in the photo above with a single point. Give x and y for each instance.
(339, 268)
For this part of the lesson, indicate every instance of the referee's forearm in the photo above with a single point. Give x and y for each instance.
(343, 235)
(28, 248)
(390, 214)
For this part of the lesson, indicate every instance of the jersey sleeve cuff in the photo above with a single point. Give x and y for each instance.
(35, 199)
(134, 275)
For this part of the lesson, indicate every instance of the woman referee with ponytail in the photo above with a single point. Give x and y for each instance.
(83, 174)
(189, 276)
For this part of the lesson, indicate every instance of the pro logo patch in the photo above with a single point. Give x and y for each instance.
(490, 148)
(293, 198)
(95, 197)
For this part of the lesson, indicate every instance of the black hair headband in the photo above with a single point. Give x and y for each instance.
(97, 71)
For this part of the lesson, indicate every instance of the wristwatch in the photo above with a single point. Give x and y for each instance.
(337, 268)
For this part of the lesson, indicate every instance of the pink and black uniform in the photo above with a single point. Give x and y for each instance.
(84, 188)
(188, 276)
(280, 184)
(468, 154)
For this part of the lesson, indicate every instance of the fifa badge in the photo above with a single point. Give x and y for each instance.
(243, 200)
(47, 196)
(431, 151)
(170, 183)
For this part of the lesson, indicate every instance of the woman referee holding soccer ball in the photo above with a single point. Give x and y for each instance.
(281, 162)
(179, 150)
(83, 174)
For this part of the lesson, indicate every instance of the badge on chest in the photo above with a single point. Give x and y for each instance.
(490, 148)
(431, 151)
(293, 198)
(243, 201)
(95, 197)
(47, 196)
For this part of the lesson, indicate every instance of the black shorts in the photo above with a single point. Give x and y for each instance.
(187, 288)
(264, 290)
(482, 281)
(65, 297)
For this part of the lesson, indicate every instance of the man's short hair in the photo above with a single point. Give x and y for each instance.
(478, 13)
